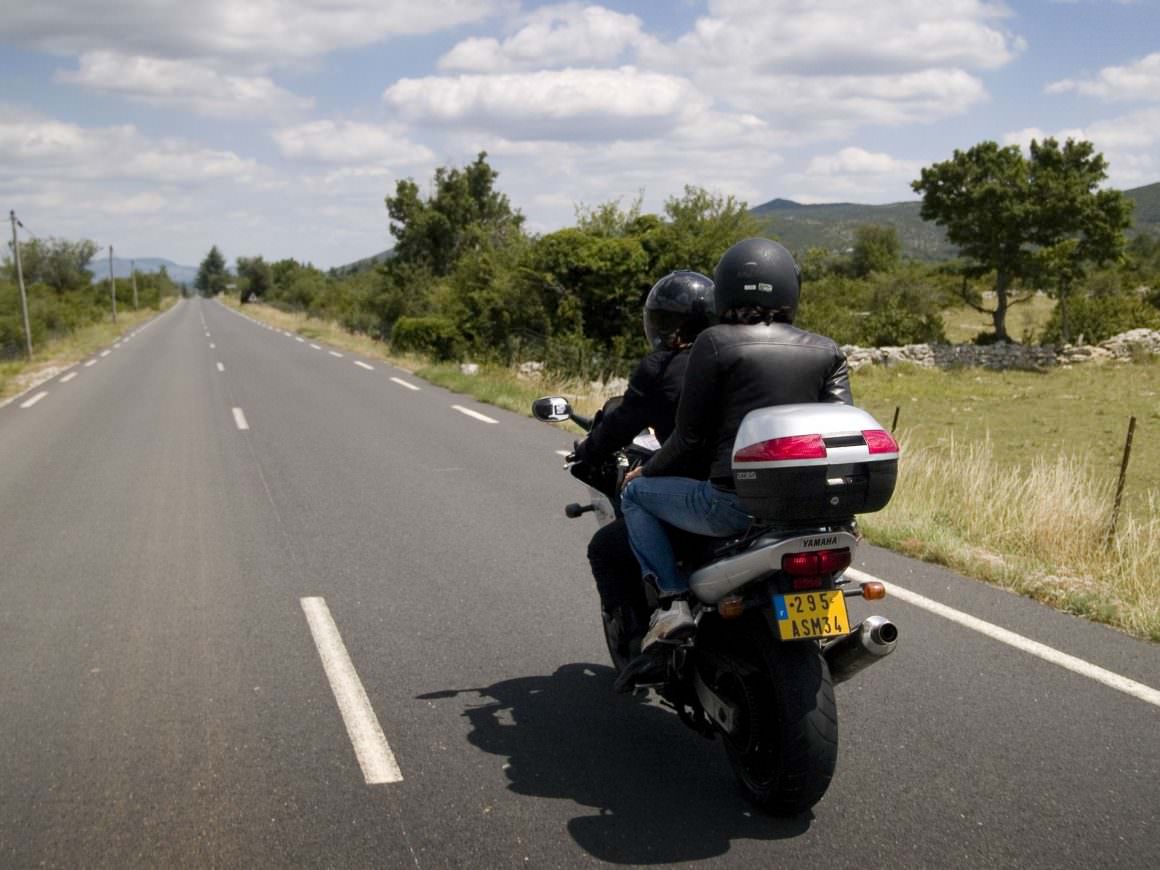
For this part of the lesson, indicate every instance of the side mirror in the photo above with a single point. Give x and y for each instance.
(552, 409)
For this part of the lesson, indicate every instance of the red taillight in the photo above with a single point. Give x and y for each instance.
(880, 441)
(816, 563)
(790, 447)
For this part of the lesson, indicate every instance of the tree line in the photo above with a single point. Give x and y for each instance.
(62, 295)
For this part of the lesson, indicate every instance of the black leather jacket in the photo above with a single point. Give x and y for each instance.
(649, 402)
(734, 369)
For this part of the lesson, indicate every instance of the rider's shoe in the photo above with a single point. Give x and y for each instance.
(672, 624)
(647, 669)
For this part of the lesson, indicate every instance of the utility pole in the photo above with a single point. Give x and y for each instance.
(133, 276)
(112, 284)
(20, 281)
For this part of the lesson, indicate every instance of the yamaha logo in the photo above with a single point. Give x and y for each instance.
(820, 542)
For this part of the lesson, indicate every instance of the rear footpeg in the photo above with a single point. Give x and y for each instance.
(870, 641)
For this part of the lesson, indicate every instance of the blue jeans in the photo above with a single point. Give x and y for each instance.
(692, 505)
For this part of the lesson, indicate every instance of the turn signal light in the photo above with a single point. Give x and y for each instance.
(872, 590)
(731, 606)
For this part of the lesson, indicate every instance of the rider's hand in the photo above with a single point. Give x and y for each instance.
(632, 475)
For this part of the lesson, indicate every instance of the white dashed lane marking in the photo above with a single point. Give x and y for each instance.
(474, 414)
(361, 364)
(105, 353)
(68, 377)
(336, 353)
(240, 419)
(366, 734)
(220, 367)
(29, 403)
(316, 347)
(403, 383)
(91, 362)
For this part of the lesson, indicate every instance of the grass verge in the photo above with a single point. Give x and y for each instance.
(1006, 476)
(16, 376)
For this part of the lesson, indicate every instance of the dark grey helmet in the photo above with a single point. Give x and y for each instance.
(761, 273)
(678, 307)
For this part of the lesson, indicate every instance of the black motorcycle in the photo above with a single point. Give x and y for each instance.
(773, 633)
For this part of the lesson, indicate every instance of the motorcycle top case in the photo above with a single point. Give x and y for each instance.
(816, 462)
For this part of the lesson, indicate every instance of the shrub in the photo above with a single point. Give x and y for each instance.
(436, 336)
(1099, 317)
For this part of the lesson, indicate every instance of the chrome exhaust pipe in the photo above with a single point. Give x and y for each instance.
(870, 641)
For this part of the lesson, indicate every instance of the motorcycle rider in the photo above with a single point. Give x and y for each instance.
(752, 359)
(677, 308)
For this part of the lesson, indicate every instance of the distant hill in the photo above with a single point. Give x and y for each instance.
(364, 264)
(832, 225)
(121, 268)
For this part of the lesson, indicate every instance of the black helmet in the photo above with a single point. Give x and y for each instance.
(760, 273)
(678, 307)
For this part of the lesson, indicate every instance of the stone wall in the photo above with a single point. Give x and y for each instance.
(1007, 356)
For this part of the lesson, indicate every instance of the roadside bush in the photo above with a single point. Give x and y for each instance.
(436, 336)
(1099, 317)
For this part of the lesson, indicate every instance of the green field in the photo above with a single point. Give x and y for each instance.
(1079, 412)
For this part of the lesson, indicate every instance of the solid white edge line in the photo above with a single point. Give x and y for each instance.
(475, 414)
(220, 367)
(1025, 644)
(403, 383)
(68, 377)
(33, 400)
(366, 734)
(361, 364)
(336, 354)
(240, 419)
(91, 362)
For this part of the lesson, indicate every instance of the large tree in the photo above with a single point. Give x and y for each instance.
(58, 263)
(1004, 210)
(254, 278)
(211, 274)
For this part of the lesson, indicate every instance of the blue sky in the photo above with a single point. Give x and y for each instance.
(277, 127)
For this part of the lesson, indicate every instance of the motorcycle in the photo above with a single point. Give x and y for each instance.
(773, 634)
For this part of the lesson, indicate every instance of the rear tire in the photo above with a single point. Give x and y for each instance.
(620, 637)
(785, 748)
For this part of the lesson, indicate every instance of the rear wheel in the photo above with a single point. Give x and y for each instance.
(785, 743)
(622, 635)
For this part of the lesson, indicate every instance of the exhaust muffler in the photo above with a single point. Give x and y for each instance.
(871, 640)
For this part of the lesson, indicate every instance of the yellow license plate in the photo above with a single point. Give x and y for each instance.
(803, 615)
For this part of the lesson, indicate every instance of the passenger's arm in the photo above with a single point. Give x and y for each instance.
(696, 412)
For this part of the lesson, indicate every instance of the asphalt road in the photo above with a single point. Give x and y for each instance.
(163, 700)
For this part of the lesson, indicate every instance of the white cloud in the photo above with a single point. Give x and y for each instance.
(182, 83)
(44, 146)
(847, 37)
(578, 104)
(257, 34)
(1136, 81)
(858, 161)
(552, 36)
(350, 142)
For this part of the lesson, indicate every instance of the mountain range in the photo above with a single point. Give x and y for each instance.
(123, 267)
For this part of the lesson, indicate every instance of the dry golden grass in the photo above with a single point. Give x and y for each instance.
(1042, 531)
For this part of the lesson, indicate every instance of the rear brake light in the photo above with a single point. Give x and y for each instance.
(816, 563)
(790, 447)
(880, 441)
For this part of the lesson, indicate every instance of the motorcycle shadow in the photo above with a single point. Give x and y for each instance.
(663, 793)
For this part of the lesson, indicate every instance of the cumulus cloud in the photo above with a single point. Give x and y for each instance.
(550, 104)
(848, 36)
(350, 142)
(1135, 81)
(260, 34)
(36, 145)
(858, 161)
(553, 36)
(184, 84)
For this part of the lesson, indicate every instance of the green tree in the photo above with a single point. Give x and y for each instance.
(211, 274)
(57, 263)
(254, 279)
(700, 227)
(1001, 209)
(876, 249)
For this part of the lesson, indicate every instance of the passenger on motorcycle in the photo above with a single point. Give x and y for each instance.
(677, 308)
(752, 359)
